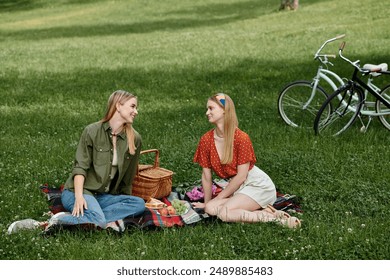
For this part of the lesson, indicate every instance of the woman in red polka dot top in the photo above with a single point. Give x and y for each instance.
(228, 152)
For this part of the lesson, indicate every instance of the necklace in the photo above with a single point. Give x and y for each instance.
(115, 134)
(216, 135)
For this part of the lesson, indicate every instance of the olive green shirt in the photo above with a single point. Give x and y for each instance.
(94, 161)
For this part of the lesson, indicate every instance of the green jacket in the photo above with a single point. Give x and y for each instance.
(94, 158)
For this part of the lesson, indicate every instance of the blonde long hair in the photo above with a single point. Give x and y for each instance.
(121, 96)
(230, 123)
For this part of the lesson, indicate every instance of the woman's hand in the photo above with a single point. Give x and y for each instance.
(198, 205)
(79, 205)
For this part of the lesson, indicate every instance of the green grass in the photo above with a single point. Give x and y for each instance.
(60, 60)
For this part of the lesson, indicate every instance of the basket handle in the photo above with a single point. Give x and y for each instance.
(156, 159)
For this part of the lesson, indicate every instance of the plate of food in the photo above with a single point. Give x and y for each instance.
(177, 208)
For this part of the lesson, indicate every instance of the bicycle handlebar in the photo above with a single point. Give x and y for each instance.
(339, 37)
(342, 46)
(328, 55)
(354, 64)
(317, 54)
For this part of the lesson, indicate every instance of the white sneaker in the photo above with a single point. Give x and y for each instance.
(54, 222)
(23, 224)
(54, 219)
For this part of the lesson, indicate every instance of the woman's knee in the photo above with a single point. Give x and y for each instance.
(138, 201)
(135, 205)
(139, 204)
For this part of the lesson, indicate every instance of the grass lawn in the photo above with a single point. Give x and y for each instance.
(60, 60)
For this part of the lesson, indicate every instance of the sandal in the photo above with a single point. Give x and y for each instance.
(284, 218)
(279, 214)
(292, 222)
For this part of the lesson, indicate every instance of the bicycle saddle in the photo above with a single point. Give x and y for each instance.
(375, 68)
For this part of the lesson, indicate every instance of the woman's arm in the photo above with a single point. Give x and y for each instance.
(236, 181)
(207, 184)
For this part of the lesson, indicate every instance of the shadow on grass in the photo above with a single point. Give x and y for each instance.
(25, 5)
(207, 15)
(18, 5)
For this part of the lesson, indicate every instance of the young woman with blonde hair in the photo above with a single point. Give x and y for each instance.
(98, 192)
(228, 152)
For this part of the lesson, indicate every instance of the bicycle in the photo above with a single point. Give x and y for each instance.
(299, 101)
(349, 101)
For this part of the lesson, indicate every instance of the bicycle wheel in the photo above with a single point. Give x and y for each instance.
(381, 108)
(345, 104)
(298, 106)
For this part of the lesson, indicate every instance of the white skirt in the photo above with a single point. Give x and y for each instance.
(259, 186)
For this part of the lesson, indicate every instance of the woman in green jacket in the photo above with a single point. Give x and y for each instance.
(98, 192)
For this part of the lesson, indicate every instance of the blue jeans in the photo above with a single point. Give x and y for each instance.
(102, 208)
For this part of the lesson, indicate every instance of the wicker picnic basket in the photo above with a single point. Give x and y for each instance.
(152, 180)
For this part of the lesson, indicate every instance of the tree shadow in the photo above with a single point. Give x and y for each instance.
(18, 5)
(244, 10)
(194, 17)
(24, 5)
(207, 15)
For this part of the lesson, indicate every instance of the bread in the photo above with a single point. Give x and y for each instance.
(154, 203)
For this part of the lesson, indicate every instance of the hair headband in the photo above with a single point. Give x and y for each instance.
(221, 98)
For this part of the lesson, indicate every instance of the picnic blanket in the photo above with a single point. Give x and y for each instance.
(152, 219)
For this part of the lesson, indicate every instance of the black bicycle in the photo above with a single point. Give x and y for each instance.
(349, 101)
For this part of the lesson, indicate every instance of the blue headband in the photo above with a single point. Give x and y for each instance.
(221, 98)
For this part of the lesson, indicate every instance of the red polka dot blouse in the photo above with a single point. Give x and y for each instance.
(206, 154)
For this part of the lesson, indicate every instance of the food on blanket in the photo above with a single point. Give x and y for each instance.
(163, 211)
(179, 206)
(154, 203)
(171, 210)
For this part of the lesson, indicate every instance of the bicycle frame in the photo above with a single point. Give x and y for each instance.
(323, 74)
(349, 101)
(368, 87)
(372, 89)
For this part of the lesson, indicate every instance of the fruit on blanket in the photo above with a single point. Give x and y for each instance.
(179, 206)
(163, 211)
(171, 210)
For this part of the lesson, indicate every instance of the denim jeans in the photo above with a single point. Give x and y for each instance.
(102, 208)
